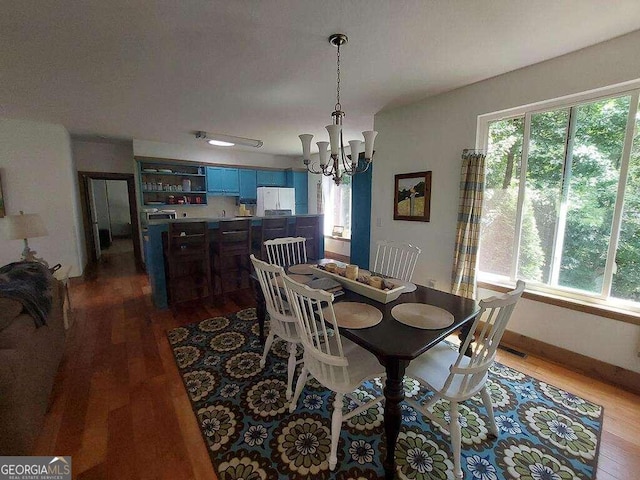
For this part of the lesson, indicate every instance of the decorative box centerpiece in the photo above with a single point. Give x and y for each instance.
(383, 290)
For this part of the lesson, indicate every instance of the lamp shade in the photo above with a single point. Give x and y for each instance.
(334, 138)
(305, 138)
(355, 150)
(369, 137)
(24, 226)
(323, 153)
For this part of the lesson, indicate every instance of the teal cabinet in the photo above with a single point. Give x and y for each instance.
(223, 181)
(298, 180)
(248, 184)
(271, 178)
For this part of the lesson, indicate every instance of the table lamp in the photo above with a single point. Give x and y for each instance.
(25, 226)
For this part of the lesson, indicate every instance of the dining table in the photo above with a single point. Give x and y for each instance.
(396, 344)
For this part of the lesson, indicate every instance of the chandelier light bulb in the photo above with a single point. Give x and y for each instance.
(334, 138)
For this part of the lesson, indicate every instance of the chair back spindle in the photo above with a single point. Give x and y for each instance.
(323, 353)
(486, 333)
(286, 251)
(396, 260)
(270, 278)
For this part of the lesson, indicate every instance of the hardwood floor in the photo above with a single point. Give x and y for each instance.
(120, 409)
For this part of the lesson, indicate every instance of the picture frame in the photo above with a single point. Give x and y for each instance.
(412, 197)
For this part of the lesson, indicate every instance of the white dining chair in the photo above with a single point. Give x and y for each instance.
(286, 251)
(336, 362)
(282, 323)
(455, 377)
(396, 260)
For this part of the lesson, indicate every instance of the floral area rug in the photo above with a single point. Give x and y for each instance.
(545, 432)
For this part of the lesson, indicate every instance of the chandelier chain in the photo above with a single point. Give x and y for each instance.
(338, 107)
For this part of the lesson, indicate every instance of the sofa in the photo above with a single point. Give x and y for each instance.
(29, 360)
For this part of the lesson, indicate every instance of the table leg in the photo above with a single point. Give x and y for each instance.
(261, 307)
(394, 395)
(465, 330)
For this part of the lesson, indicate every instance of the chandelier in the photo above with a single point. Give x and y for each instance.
(337, 164)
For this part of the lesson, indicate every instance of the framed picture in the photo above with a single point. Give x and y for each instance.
(1, 200)
(412, 197)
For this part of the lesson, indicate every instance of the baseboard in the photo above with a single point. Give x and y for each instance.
(618, 376)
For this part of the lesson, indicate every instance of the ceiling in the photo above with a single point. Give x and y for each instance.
(160, 70)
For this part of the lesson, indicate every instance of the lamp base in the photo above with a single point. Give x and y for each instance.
(29, 255)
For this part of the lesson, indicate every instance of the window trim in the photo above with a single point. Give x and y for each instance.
(606, 311)
(597, 304)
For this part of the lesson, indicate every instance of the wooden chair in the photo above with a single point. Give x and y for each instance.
(307, 227)
(231, 249)
(188, 262)
(282, 323)
(337, 363)
(455, 377)
(271, 228)
(286, 251)
(396, 260)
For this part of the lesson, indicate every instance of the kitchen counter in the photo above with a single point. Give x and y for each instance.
(154, 250)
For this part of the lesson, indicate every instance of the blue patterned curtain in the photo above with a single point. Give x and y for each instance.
(465, 257)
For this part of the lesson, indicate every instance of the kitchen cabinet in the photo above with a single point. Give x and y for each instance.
(163, 183)
(248, 184)
(223, 181)
(298, 180)
(271, 178)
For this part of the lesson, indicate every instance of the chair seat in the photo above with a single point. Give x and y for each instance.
(363, 365)
(433, 369)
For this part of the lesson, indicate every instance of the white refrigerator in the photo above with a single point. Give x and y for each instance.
(275, 198)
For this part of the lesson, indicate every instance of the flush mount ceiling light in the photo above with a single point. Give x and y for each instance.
(340, 164)
(227, 140)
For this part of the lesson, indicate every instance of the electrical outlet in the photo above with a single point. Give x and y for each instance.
(378, 222)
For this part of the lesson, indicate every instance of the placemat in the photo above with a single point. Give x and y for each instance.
(356, 315)
(301, 269)
(421, 315)
(296, 278)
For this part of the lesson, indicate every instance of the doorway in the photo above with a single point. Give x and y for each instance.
(109, 215)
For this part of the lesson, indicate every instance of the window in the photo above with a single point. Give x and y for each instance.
(337, 205)
(562, 200)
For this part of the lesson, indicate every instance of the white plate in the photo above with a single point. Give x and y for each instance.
(150, 170)
(165, 170)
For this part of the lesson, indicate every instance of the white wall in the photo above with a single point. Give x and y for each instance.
(38, 177)
(102, 155)
(430, 135)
